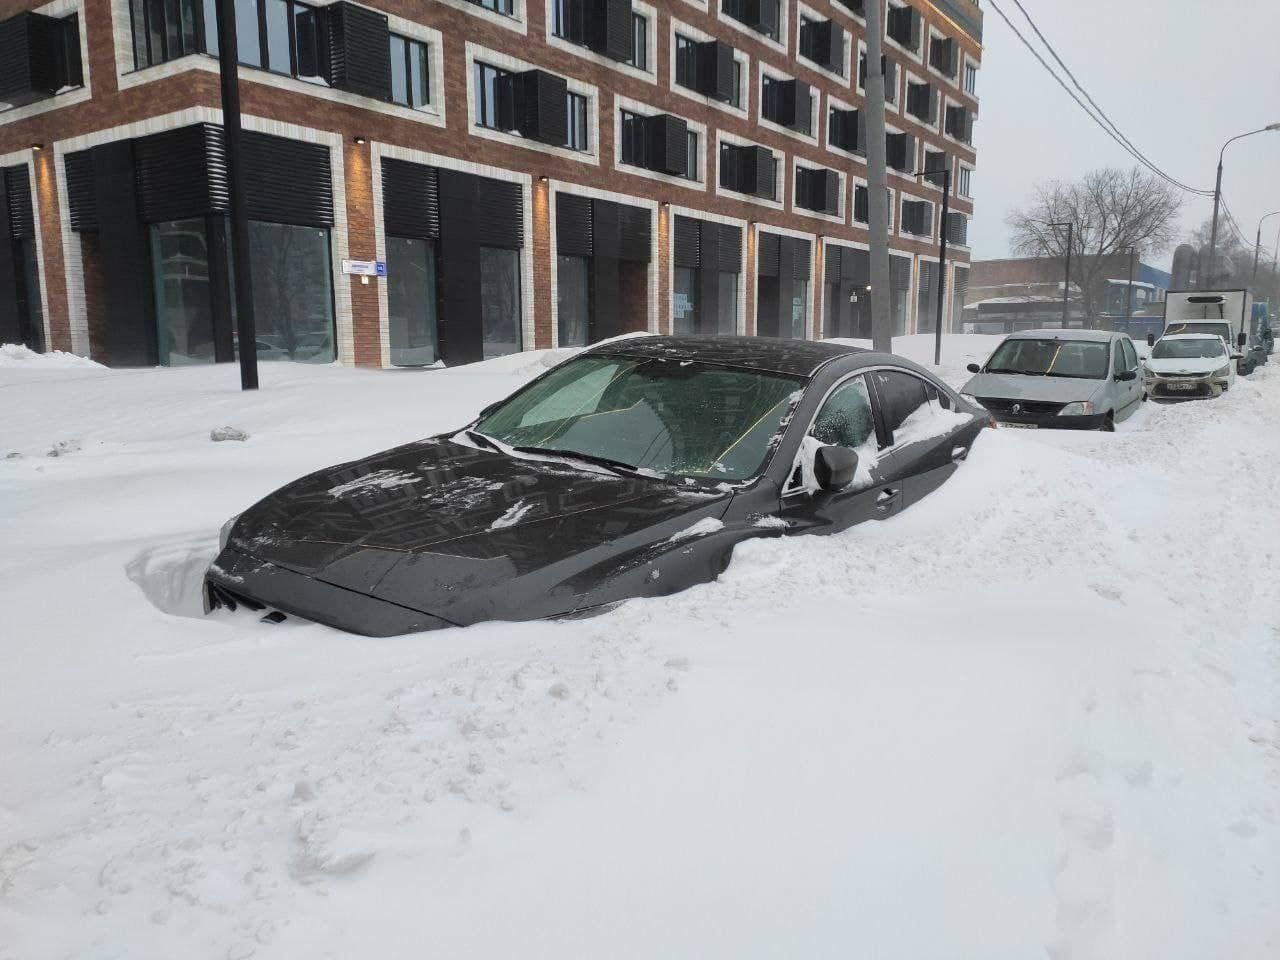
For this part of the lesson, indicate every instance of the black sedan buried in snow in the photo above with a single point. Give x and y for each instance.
(631, 470)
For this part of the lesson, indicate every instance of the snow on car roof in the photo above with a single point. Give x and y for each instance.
(793, 357)
(1191, 336)
(1100, 336)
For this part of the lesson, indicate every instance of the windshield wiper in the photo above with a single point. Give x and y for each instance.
(617, 466)
(481, 439)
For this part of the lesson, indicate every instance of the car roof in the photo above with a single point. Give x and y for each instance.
(1096, 336)
(800, 358)
(1191, 336)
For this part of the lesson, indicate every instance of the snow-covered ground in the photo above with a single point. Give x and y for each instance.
(1033, 716)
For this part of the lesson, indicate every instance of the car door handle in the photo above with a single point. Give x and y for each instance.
(887, 498)
(959, 453)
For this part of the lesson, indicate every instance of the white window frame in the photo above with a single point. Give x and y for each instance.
(784, 24)
(698, 36)
(933, 33)
(894, 44)
(944, 102)
(815, 106)
(621, 103)
(503, 61)
(803, 11)
(856, 181)
(649, 75)
(59, 8)
(905, 198)
(963, 189)
(780, 172)
(855, 81)
(976, 65)
(912, 77)
(842, 216)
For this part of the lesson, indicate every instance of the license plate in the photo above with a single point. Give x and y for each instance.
(1182, 386)
(1021, 426)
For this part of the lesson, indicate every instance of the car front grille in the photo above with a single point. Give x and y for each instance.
(1182, 376)
(1032, 408)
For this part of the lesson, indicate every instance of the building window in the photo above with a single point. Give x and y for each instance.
(686, 62)
(965, 183)
(165, 30)
(282, 36)
(970, 79)
(684, 303)
(180, 283)
(500, 301)
(577, 122)
(736, 99)
(763, 16)
(639, 42)
(505, 7)
(294, 302)
(573, 300)
(566, 20)
(412, 302)
(410, 72)
(632, 151)
(487, 79)
(691, 152)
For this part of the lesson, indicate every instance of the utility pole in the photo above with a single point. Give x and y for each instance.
(1128, 296)
(1217, 199)
(877, 184)
(942, 252)
(229, 64)
(1066, 280)
(1257, 247)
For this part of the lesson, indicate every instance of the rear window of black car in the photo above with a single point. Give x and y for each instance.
(669, 416)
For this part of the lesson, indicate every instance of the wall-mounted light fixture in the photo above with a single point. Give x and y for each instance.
(37, 147)
(360, 139)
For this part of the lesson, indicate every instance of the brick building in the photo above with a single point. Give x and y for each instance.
(533, 173)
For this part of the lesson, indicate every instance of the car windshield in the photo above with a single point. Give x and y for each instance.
(1220, 328)
(666, 415)
(1080, 359)
(1187, 349)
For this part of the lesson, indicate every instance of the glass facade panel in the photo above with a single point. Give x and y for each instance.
(247, 44)
(399, 71)
(799, 303)
(292, 292)
(727, 303)
(180, 282)
(500, 301)
(277, 17)
(411, 302)
(573, 300)
(684, 301)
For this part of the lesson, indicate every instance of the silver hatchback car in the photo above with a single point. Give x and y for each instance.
(1079, 379)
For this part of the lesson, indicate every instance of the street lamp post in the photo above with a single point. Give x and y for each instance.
(945, 170)
(1257, 247)
(1217, 197)
(1128, 296)
(1066, 280)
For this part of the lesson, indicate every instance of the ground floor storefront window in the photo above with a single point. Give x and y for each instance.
(782, 286)
(180, 281)
(412, 301)
(706, 280)
(846, 303)
(292, 292)
(500, 301)
(573, 301)
(684, 301)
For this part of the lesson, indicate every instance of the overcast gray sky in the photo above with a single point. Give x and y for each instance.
(1178, 77)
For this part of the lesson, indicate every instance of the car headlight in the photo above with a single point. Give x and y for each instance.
(1148, 373)
(1223, 371)
(225, 533)
(1080, 408)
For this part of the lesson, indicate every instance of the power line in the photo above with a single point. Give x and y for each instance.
(1102, 122)
(1101, 113)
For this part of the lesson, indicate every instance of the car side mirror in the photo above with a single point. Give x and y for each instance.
(1242, 339)
(1127, 375)
(834, 467)
(973, 368)
(1151, 339)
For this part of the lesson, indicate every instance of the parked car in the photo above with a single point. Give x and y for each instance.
(632, 469)
(1189, 366)
(1078, 379)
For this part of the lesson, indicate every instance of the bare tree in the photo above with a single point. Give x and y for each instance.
(1110, 210)
(1236, 259)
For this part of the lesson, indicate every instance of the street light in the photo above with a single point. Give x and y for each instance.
(1066, 280)
(1257, 246)
(945, 170)
(1217, 192)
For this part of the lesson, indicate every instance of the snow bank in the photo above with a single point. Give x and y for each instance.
(1032, 715)
(18, 355)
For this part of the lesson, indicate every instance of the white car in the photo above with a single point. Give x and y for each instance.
(1188, 366)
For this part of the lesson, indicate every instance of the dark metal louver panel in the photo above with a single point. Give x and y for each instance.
(686, 242)
(20, 216)
(861, 204)
(36, 57)
(574, 237)
(715, 70)
(822, 41)
(609, 28)
(410, 199)
(172, 170)
(82, 204)
(901, 152)
(667, 148)
(728, 246)
(499, 213)
(801, 268)
(358, 50)
(541, 106)
(287, 181)
(635, 234)
(957, 228)
(842, 131)
(604, 234)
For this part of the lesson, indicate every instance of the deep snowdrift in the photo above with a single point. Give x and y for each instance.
(1034, 715)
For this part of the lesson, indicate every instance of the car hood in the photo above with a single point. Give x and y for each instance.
(447, 528)
(1192, 365)
(1012, 386)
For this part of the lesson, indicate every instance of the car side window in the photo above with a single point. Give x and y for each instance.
(1130, 354)
(845, 419)
(901, 394)
(1118, 359)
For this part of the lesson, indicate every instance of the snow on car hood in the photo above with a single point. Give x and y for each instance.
(1017, 386)
(1193, 365)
